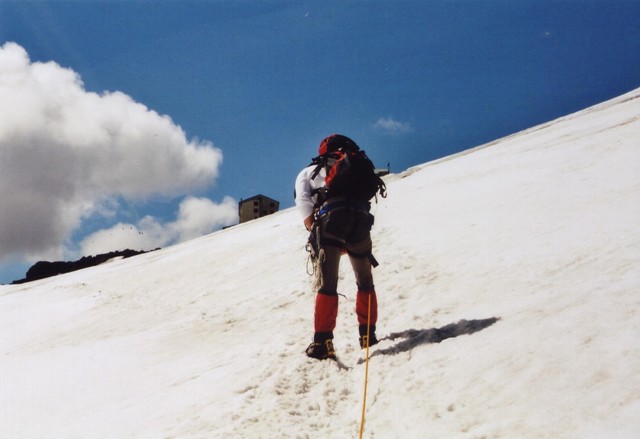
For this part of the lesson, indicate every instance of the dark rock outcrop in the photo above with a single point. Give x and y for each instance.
(43, 269)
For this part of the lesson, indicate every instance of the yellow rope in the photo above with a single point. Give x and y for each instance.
(366, 368)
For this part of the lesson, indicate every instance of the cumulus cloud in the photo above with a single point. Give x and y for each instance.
(391, 126)
(196, 217)
(67, 153)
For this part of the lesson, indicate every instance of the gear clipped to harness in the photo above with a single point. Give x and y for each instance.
(350, 174)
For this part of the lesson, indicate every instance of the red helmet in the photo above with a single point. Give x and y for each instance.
(335, 142)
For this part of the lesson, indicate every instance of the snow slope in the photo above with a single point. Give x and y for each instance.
(508, 292)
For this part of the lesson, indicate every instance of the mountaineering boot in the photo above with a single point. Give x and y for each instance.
(363, 336)
(321, 350)
(322, 346)
(363, 341)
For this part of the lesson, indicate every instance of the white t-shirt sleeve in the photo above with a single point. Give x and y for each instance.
(305, 200)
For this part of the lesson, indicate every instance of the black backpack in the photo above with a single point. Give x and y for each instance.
(350, 174)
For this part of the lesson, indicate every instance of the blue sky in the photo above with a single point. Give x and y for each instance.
(262, 82)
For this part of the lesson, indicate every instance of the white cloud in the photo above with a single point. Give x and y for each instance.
(391, 126)
(199, 216)
(196, 217)
(66, 153)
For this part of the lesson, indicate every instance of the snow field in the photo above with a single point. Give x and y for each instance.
(508, 296)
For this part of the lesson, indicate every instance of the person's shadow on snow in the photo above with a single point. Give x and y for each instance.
(416, 337)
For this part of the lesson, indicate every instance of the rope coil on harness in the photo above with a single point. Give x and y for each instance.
(316, 254)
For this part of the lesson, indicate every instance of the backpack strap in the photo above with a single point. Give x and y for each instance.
(316, 171)
(321, 162)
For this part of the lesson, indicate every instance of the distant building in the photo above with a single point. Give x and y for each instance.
(256, 207)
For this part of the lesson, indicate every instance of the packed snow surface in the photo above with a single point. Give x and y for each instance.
(509, 291)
